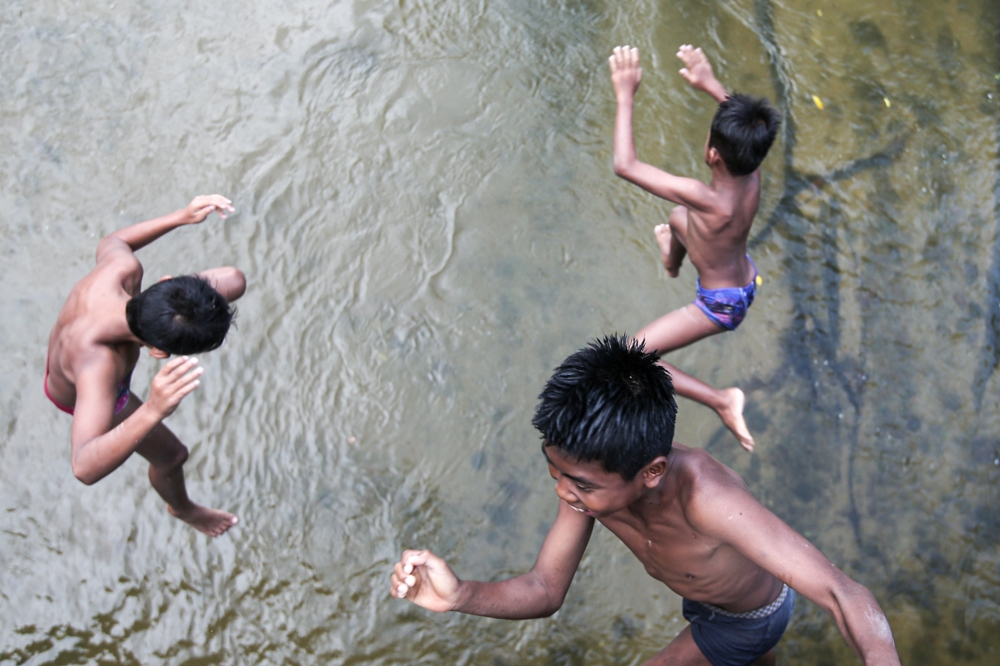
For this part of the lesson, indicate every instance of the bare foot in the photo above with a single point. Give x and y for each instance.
(662, 232)
(732, 416)
(208, 521)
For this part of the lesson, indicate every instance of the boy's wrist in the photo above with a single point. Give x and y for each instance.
(462, 596)
(148, 414)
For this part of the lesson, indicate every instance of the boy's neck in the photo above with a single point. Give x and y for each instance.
(652, 501)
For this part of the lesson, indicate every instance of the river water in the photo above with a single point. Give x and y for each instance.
(429, 223)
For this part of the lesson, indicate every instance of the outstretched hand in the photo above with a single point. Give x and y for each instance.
(625, 71)
(174, 381)
(426, 580)
(697, 71)
(202, 206)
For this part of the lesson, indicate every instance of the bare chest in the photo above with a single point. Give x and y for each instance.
(688, 563)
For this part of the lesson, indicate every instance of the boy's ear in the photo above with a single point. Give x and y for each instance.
(712, 157)
(653, 473)
(165, 278)
(158, 353)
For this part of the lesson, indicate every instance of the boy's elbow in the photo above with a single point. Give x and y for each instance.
(624, 168)
(86, 477)
(86, 474)
(553, 603)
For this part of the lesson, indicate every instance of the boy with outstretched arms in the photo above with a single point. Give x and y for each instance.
(607, 423)
(95, 344)
(712, 222)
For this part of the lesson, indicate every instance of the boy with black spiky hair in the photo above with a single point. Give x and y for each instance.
(712, 222)
(607, 422)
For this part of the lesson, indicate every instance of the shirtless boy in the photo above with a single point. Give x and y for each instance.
(711, 223)
(95, 345)
(607, 423)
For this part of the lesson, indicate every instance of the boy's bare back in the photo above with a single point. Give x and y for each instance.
(91, 355)
(718, 214)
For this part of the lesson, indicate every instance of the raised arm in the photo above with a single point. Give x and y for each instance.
(426, 580)
(625, 77)
(99, 449)
(142, 234)
(734, 516)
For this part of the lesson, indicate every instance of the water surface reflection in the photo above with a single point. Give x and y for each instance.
(430, 223)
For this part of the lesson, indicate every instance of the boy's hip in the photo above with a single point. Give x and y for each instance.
(736, 639)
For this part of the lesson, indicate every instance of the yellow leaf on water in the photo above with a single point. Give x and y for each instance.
(819, 13)
(818, 102)
(887, 102)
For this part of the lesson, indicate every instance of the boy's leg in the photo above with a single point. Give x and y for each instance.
(727, 403)
(682, 651)
(678, 329)
(228, 281)
(167, 455)
(672, 239)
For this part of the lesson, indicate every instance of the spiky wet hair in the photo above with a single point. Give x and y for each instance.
(610, 402)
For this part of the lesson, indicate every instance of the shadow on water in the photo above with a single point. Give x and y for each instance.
(911, 566)
(989, 356)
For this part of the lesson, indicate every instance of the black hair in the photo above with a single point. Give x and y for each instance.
(610, 402)
(182, 315)
(743, 130)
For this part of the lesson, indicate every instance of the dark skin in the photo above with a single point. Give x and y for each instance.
(710, 225)
(694, 526)
(92, 350)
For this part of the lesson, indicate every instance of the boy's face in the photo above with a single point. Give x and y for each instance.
(588, 487)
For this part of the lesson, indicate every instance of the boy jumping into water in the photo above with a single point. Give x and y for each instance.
(607, 423)
(95, 344)
(711, 223)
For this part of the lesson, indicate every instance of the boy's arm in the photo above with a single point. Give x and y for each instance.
(99, 449)
(625, 76)
(142, 234)
(733, 515)
(426, 580)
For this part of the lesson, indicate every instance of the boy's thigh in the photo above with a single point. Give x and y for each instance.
(682, 651)
(677, 329)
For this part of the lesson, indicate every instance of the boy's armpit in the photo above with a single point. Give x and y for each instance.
(689, 192)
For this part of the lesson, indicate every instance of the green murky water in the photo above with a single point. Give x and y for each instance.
(429, 222)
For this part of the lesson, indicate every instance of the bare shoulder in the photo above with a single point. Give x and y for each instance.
(708, 486)
(116, 267)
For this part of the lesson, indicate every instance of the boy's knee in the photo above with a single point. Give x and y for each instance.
(236, 282)
(172, 459)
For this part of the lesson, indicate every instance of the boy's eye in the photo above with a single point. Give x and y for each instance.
(583, 489)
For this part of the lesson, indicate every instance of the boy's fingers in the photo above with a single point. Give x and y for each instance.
(420, 558)
(184, 390)
(186, 363)
(173, 363)
(192, 376)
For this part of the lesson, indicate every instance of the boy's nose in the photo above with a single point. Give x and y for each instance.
(563, 492)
